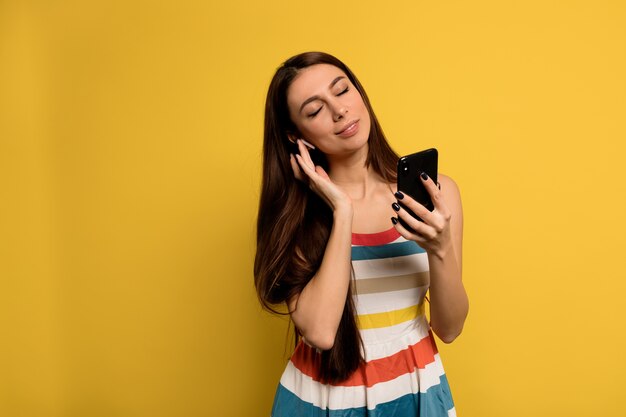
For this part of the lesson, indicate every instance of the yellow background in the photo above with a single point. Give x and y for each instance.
(130, 140)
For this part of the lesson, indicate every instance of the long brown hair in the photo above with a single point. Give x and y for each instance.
(294, 223)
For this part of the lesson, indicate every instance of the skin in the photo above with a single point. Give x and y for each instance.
(322, 102)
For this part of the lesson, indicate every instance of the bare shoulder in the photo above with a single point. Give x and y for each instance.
(451, 197)
(451, 194)
(449, 186)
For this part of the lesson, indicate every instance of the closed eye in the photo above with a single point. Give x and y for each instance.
(315, 113)
(318, 110)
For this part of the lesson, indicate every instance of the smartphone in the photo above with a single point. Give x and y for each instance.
(409, 182)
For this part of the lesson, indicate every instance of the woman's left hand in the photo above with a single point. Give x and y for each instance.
(433, 234)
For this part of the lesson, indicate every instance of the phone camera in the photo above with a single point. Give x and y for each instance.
(404, 169)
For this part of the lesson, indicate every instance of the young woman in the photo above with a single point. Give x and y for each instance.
(329, 246)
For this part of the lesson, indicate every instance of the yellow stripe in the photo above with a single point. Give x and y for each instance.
(389, 318)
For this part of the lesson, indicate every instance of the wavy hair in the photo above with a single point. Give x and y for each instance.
(294, 223)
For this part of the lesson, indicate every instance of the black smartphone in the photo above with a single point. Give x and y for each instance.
(409, 182)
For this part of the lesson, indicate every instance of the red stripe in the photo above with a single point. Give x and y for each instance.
(375, 239)
(307, 360)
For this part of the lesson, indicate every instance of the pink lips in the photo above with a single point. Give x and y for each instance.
(349, 130)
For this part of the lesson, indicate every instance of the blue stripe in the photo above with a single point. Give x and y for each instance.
(390, 250)
(435, 402)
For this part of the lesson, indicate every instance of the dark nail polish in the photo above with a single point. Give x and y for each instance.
(424, 176)
(395, 206)
(394, 220)
(399, 195)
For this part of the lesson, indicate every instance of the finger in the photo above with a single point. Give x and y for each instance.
(417, 208)
(309, 170)
(405, 233)
(304, 151)
(421, 228)
(434, 190)
(309, 145)
(297, 172)
(321, 172)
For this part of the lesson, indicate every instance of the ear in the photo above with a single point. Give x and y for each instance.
(293, 137)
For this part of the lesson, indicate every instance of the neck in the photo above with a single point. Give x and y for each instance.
(349, 173)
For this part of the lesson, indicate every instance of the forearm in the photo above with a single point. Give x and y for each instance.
(449, 304)
(319, 307)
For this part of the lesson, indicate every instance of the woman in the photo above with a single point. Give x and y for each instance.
(354, 281)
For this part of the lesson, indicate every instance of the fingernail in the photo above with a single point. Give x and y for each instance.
(399, 195)
(307, 144)
(395, 206)
(394, 220)
(424, 176)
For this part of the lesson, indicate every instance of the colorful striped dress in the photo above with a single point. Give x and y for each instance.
(403, 375)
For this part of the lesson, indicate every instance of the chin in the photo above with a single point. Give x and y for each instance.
(357, 144)
(363, 140)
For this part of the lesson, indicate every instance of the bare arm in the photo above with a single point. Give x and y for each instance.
(441, 234)
(317, 310)
(449, 303)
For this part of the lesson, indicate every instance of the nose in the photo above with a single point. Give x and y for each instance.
(339, 111)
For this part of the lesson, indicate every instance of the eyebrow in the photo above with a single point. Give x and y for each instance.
(313, 98)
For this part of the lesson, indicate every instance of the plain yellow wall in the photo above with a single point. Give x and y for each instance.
(130, 141)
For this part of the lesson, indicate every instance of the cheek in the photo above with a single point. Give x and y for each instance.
(303, 126)
(363, 108)
(361, 103)
(306, 129)
(314, 128)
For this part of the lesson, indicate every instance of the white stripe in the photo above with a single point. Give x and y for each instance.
(381, 343)
(452, 412)
(399, 265)
(388, 301)
(338, 397)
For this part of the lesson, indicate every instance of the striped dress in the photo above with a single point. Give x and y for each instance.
(403, 375)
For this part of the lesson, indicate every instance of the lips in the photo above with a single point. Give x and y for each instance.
(349, 130)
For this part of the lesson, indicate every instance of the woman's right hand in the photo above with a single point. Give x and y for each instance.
(318, 180)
